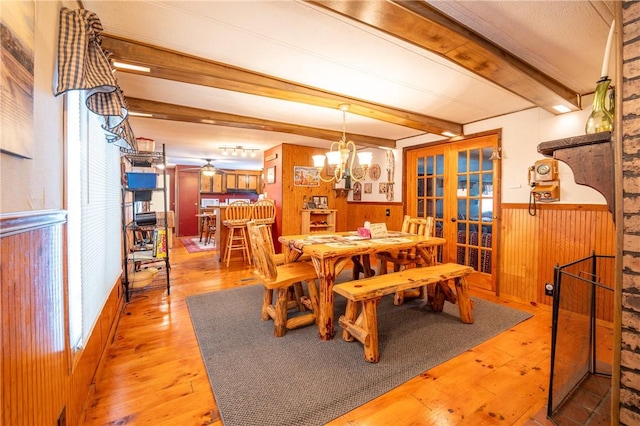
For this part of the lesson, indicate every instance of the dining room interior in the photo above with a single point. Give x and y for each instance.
(321, 212)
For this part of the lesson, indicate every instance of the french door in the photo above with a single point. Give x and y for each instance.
(458, 184)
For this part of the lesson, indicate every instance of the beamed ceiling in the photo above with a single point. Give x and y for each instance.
(258, 74)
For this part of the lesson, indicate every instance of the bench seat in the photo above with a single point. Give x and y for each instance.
(366, 293)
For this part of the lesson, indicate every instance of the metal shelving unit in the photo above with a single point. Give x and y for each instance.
(145, 239)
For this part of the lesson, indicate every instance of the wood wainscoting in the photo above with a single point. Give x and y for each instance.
(41, 382)
(375, 212)
(532, 246)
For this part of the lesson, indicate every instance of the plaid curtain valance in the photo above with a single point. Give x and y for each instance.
(83, 65)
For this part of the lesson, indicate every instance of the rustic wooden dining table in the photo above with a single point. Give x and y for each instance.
(330, 253)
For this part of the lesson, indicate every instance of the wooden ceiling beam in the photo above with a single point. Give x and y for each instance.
(166, 111)
(177, 66)
(421, 24)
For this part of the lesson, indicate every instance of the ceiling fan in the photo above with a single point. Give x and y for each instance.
(207, 167)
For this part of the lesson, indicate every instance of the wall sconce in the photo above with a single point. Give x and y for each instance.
(495, 155)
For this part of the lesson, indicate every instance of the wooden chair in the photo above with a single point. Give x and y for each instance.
(237, 214)
(211, 229)
(264, 213)
(404, 259)
(283, 278)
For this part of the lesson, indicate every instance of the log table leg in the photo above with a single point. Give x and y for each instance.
(327, 269)
(370, 324)
(280, 320)
(267, 299)
(350, 314)
(436, 299)
(465, 304)
(362, 265)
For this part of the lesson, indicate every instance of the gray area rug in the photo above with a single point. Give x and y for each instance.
(261, 380)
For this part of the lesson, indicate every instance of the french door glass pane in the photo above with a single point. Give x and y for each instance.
(475, 208)
(487, 163)
(440, 165)
(430, 191)
(420, 186)
(462, 162)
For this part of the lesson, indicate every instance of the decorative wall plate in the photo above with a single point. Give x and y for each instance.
(374, 172)
(358, 172)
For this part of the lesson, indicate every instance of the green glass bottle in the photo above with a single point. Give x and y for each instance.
(612, 102)
(600, 119)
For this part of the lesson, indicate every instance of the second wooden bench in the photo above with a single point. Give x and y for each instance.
(366, 293)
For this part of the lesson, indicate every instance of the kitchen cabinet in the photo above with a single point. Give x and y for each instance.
(244, 181)
(212, 184)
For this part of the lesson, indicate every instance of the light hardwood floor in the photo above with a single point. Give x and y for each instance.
(154, 374)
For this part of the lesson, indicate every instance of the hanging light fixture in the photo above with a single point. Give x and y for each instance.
(236, 151)
(208, 169)
(338, 156)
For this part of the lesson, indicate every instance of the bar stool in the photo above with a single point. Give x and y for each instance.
(264, 213)
(236, 216)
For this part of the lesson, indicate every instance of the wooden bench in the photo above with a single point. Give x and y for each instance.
(366, 293)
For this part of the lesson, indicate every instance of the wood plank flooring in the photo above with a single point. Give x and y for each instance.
(154, 374)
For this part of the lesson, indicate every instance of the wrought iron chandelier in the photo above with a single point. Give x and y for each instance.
(341, 157)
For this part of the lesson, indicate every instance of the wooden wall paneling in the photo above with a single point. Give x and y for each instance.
(293, 196)
(341, 204)
(549, 254)
(274, 190)
(533, 245)
(518, 261)
(34, 338)
(38, 377)
(375, 212)
(604, 245)
(91, 359)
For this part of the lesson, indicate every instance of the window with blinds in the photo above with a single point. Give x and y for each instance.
(93, 202)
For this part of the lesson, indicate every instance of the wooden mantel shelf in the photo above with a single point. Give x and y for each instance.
(590, 157)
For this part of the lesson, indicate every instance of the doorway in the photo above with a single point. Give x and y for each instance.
(458, 184)
(187, 194)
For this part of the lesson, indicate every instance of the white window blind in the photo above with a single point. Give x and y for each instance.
(93, 201)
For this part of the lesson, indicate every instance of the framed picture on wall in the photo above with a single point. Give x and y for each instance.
(306, 176)
(357, 191)
(271, 174)
(17, 72)
(367, 188)
(324, 202)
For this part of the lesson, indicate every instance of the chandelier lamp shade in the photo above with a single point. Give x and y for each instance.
(341, 157)
(208, 169)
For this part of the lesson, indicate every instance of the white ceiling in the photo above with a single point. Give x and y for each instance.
(306, 44)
